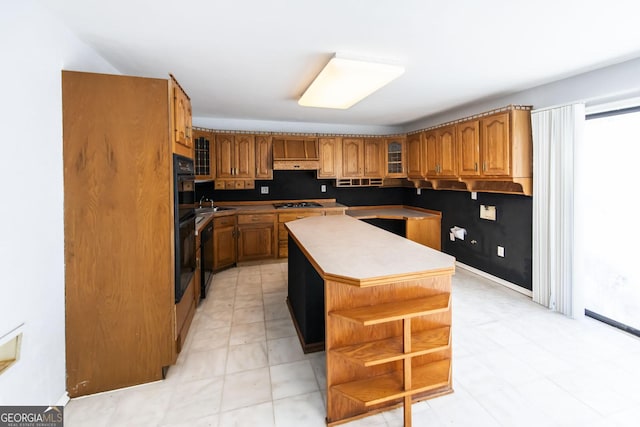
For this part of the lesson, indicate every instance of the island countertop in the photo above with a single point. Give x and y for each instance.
(359, 254)
(391, 212)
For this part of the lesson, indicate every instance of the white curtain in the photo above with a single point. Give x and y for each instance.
(555, 132)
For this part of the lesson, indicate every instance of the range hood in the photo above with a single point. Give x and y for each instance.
(295, 153)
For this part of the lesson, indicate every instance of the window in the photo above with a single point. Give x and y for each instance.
(607, 230)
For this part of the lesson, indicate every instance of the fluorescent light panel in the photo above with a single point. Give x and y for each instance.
(343, 82)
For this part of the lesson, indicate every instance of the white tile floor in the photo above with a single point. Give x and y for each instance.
(515, 364)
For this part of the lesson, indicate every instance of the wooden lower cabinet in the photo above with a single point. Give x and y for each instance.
(224, 242)
(283, 251)
(425, 231)
(256, 237)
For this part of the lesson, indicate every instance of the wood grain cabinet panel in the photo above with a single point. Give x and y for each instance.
(330, 157)
(440, 153)
(495, 152)
(245, 160)
(181, 120)
(496, 145)
(285, 217)
(118, 223)
(256, 236)
(362, 157)
(235, 161)
(264, 157)
(468, 140)
(352, 157)
(415, 158)
(224, 242)
(373, 157)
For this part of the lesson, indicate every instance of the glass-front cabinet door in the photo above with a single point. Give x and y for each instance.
(395, 158)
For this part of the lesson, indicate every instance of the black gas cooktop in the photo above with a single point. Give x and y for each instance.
(297, 205)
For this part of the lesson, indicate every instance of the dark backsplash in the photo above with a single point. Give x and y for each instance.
(293, 185)
(512, 228)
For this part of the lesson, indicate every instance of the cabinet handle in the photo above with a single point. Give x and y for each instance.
(475, 166)
(484, 166)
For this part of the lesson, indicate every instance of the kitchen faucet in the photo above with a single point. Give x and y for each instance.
(205, 199)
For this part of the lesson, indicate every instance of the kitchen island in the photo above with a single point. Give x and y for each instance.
(385, 304)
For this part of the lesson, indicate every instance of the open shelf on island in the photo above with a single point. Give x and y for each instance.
(391, 349)
(383, 388)
(399, 310)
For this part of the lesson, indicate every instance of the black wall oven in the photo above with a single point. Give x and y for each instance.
(185, 223)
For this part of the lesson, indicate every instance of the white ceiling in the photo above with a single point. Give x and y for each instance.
(252, 59)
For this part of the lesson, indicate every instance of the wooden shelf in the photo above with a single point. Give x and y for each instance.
(391, 349)
(375, 390)
(382, 313)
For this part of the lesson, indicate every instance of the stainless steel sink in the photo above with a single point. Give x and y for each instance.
(213, 209)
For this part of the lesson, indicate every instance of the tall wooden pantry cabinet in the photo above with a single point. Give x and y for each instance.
(118, 204)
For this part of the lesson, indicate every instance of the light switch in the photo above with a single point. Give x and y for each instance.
(323, 188)
(488, 212)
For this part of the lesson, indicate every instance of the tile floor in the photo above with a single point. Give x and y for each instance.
(515, 364)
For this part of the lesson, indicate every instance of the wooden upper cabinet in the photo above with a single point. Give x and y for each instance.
(204, 154)
(352, 157)
(235, 156)
(264, 157)
(329, 154)
(245, 156)
(431, 153)
(440, 153)
(447, 152)
(181, 120)
(395, 157)
(225, 155)
(373, 158)
(468, 141)
(496, 145)
(362, 157)
(415, 162)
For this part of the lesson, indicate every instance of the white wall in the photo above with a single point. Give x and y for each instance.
(620, 81)
(35, 47)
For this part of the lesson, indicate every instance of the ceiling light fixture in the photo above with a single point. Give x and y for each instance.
(345, 81)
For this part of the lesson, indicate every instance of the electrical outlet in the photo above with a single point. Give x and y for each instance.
(323, 188)
(264, 190)
(474, 195)
(501, 251)
(488, 212)
(418, 191)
